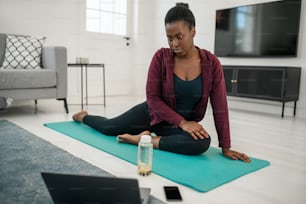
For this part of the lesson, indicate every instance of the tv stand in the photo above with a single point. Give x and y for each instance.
(264, 82)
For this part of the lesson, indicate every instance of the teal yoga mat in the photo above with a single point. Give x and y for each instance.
(202, 173)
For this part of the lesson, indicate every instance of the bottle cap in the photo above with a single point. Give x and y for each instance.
(145, 139)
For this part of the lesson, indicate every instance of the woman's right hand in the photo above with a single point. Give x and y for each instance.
(195, 129)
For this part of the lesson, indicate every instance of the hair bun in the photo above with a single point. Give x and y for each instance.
(182, 4)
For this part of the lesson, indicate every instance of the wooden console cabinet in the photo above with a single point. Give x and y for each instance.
(262, 82)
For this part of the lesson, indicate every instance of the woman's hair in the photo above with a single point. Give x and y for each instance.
(180, 12)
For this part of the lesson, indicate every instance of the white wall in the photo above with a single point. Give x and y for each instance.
(63, 23)
(144, 44)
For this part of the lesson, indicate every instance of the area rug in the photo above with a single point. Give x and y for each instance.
(23, 156)
(202, 173)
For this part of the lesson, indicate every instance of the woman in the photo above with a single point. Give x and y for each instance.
(180, 81)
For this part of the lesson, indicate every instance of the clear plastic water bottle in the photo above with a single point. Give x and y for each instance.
(145, 154)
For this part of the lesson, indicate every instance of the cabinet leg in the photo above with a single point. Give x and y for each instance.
(283, 108)
(294, 109)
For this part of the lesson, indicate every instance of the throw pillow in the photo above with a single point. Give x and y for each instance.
(22, 52)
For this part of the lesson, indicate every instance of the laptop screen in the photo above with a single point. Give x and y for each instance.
(68, 188)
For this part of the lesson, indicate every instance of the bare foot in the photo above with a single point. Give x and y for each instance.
(79, 116)
(132, 139)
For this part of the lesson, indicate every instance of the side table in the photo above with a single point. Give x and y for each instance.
(85, 67)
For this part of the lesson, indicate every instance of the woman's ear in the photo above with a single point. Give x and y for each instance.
(193, 31)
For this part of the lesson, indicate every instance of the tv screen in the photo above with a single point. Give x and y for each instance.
(260, 30)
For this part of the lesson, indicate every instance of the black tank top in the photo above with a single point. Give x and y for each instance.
(187, 94)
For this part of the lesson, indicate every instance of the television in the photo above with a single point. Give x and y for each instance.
(259, 30)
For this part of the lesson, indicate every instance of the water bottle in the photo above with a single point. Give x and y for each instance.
(145, 153)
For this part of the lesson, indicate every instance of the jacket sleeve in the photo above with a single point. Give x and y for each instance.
(157, 94)
(219, 105)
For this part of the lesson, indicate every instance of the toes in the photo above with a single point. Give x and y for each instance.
(121, 139)
(74, 117)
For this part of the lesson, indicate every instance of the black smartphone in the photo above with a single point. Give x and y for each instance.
(172, 193)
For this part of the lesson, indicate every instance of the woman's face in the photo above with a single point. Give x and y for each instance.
(180, 37)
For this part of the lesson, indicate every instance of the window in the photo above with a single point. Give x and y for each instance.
(107, 16)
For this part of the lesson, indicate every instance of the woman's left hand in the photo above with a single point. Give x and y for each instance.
(235, 155)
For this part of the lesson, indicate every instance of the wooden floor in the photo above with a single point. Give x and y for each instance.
(260, 135)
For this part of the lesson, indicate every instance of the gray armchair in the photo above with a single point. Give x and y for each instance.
(33, 84)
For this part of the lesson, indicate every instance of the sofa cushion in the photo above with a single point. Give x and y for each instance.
(23, 79)
(22, 52)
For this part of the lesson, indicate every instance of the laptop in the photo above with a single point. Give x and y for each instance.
(70, 188)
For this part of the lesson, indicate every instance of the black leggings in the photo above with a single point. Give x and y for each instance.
(137, 119)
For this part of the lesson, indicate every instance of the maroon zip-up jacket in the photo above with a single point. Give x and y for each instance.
(161, 97)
